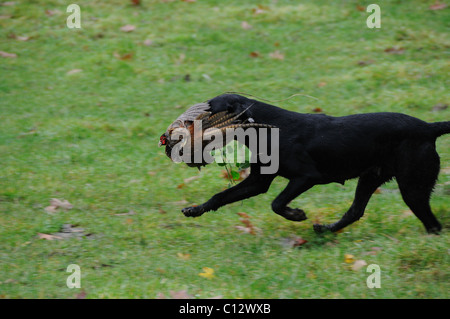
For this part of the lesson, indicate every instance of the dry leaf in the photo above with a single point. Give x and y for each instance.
(192, 178)
(277, 55)
(148, 42)
(395, 50)
(255, 54)
(126, 214)
(74, 71)
(360, 8)
(299, 242)
(439, 107)
(207, 273)
(184, 256)
(7, 55)
(48, 237)
(317, 110)
(438, 6)
(245, 25)
(20, 38)
(61, 203)
(123, 57)
(321, 84)
(358, 265)
(52, 12)
(242, 214)
(136, 2)
(128, 28)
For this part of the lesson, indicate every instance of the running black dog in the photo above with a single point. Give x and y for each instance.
(319, 149)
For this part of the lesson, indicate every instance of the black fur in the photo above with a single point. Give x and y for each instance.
(320, 149)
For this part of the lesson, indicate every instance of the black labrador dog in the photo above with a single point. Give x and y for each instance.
(319, 149)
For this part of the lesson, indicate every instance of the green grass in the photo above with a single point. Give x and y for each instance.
(91, 138)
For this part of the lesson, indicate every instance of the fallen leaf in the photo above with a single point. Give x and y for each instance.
(179, 186)
(184, 256)
(22, 38)
(48, 237)
(395, 50)
(81, 295)
(242, 214)
(299, 242)
(364, 63)
(148, 42)
(207, 273)
(277, 55)
(7, 55)
(438, 6)
(182, 294)
(317, 110)
(61, 203)
(123, 57)
(74, 71)
(190, 179)
(360, 8)
(321, 84)
(136, 2)
(255, 54)
(349, 258)
(358, 265)
(126, 214)
(439, 107)
(52, 12)
(245, 25)
(128, 28)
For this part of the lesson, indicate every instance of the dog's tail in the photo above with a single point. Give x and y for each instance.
(440, 128)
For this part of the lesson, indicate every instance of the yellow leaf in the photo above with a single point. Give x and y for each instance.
(207, 273)
(349, 258)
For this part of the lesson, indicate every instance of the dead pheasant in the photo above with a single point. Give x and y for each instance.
(211, 124)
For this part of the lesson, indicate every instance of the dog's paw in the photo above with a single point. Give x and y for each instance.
(294, 214)
(193, 211)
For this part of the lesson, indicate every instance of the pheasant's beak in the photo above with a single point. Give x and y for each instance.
(159, 144)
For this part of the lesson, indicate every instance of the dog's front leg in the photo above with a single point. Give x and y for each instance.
(253, 185)
(295, 187)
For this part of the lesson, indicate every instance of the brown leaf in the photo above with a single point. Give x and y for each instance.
(136, 2)
(255, 54)
(179, 186)
(321, 84)
(48, 237)
(7, 55)
(299, 242)
(123, 57)
(395, 50)
(128, 28)
(317, 110)
(126, 214)
(277, 55)
(438, 6)
(245, 25)
(242, 214)
(52, 12)
(360, 8)
(364, 63)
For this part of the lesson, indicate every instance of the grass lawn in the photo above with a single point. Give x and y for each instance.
(81, 114)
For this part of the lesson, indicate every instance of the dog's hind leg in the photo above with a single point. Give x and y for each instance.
(295, 187)
(367, 184)
(416, 178)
